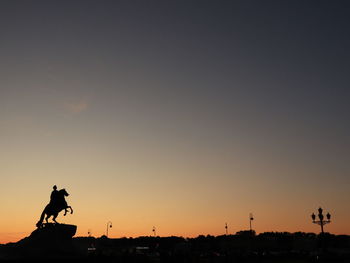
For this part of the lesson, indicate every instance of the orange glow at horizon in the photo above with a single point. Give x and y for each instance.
(190, 195)
(133, 218)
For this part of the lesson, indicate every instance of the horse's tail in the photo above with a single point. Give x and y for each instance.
(40, 222)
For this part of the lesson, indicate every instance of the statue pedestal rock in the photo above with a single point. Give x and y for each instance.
(53, 232)
(50, 240)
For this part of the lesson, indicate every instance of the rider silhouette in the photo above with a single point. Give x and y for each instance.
(58, 201)
(54, 197)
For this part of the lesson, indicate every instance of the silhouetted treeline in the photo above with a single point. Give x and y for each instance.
(244, 246)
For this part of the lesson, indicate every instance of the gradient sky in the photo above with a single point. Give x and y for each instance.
(181, 115)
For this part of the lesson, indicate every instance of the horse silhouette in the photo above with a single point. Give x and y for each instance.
(54, 208)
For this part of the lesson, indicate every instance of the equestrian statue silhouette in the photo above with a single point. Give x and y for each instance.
(56, 205)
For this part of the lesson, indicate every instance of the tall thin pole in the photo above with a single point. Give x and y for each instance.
(251, 218)
(109, 225)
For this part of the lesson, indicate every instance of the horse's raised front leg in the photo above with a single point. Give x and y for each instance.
(66, 210)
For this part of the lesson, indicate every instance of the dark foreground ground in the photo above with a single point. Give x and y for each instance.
(54, 243)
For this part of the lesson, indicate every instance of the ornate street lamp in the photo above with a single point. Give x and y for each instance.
(321, 220)
(109, 225)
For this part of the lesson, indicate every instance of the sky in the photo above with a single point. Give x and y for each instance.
(178, 115)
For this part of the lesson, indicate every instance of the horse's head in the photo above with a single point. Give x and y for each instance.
(63, 192)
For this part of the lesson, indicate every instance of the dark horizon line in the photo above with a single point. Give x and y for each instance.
(238, 234)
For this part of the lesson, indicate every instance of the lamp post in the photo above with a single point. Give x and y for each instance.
(251, 218)
(226, 228)
(321, 220)
(109, 225)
